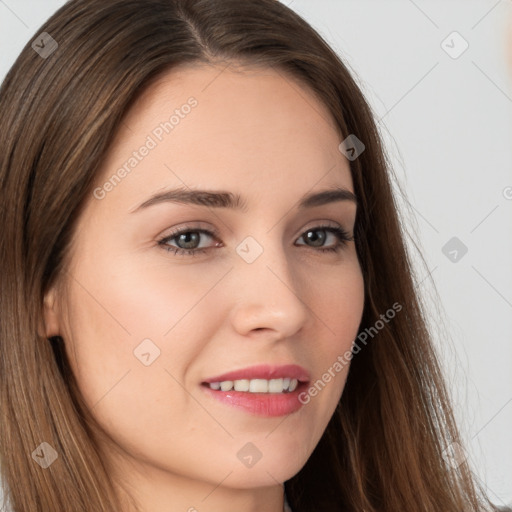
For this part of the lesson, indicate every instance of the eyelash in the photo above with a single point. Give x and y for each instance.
(340, 233)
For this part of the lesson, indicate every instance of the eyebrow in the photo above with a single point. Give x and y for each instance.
(224, 199)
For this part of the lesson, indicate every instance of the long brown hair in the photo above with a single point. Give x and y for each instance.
(383, 448)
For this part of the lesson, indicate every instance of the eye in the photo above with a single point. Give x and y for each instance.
(188, 239)
(339, 233)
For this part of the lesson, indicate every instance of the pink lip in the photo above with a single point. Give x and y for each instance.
(262, 404)
(264, 371)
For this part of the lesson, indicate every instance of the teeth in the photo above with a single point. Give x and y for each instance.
(275, 386)
(227, 385)
(258, 386)
(241, 385)
(283, 385)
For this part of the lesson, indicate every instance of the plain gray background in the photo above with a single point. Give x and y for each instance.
(446, 117)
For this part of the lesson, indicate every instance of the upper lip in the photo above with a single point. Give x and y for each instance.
(264, 371)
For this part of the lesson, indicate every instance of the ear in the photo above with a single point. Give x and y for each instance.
(51, 319)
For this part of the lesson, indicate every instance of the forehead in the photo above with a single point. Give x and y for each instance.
(235, 89)
(223, 125)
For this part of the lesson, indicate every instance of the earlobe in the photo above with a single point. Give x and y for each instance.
(51, 319)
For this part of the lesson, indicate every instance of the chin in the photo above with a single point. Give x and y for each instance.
(264, 476)
(276, 464)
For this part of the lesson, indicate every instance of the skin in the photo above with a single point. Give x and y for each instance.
(258, 133)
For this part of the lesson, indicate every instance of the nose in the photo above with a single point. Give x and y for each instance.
(269, 294)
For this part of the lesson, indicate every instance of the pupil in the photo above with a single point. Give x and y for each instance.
(184, 238)
(317, 241)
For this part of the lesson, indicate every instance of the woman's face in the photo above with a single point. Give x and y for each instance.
(146, 324)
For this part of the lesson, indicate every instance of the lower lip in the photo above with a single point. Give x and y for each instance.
(261, 404)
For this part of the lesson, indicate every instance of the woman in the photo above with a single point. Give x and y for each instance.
(206, 295)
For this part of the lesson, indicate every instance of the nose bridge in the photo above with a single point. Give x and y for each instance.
(269, 294)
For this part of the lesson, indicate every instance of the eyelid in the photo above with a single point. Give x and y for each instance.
(315, 224)
(203, 227)
(191, 226)
(342, 235)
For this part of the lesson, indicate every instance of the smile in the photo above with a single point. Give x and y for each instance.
(262, 390)
(283, 385)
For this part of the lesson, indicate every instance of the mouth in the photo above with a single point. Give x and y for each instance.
(262, 390)
(283, 385)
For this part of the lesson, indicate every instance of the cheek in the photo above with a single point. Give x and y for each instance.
(127, 324)
(338, 304)
(129, 373)
(151, 298)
